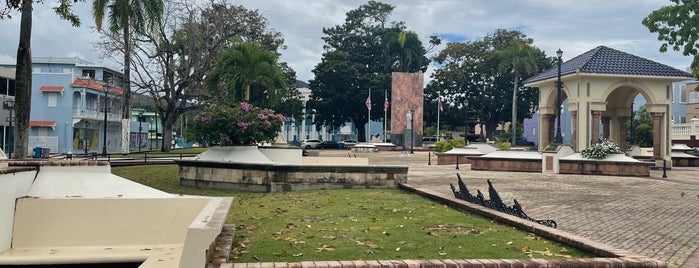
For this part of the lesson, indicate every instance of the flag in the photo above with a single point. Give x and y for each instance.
(441, 104)
(385, 105)
(368, 102)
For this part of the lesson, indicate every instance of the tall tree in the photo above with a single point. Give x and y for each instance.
(128, 17)
(469, 80)
(170, 63)
(23, 71)
(355, 63)
(676, 24)
(238, 68)
(519, 58)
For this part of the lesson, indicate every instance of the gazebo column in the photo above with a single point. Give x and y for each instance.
(595, 125)
(622, 132)
(657, 133)
(547, 128)
(605, 127)
(574, 129)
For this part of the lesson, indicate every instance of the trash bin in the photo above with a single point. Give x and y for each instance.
(45, 152)
(37, 152)
(341, 145)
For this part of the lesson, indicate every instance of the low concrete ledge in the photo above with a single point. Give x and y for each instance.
(602, 167)
(365, 148)
(506, 164)
(202, 233)
(58, 163)
(282, 177)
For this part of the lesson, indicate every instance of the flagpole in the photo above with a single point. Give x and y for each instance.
(384, 114)
(368, 118)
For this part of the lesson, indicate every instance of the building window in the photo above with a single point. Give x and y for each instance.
(693, 97)
(89, 73)
(53, 99)
(683, 96)
(36, 70)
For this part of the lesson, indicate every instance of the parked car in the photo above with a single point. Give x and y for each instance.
(328, 145)
(310, 144)
(349, 143)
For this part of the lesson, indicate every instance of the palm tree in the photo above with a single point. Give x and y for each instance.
(404, 51)
(518, 57)
(240, 67)
(125, 15)
(23, 71)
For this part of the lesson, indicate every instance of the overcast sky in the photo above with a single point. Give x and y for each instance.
(574, 26)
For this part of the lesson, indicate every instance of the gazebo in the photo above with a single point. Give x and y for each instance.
(600, 86)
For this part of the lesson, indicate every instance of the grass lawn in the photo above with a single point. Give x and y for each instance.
(356, 224)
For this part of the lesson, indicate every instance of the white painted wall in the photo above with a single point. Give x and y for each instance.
(12, 186)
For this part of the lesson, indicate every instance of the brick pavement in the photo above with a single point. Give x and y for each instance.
(652, 216)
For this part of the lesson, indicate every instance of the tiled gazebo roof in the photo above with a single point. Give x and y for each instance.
(604, 60)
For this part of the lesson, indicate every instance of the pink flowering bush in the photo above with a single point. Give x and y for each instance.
(240, 124)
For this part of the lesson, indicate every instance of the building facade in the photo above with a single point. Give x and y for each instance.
(74, 104)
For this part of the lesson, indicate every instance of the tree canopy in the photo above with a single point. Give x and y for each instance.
(171, 63)
(472, 83)
(677, 25)
(360, 55)
(241, 66)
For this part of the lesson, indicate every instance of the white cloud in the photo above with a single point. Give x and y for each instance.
(574, 26)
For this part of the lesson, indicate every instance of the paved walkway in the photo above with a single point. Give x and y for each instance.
(652, 216)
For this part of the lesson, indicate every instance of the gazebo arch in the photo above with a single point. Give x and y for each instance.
(600, 85)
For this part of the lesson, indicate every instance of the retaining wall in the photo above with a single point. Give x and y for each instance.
(281, 177)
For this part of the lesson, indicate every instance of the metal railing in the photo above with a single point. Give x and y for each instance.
(685, 130)
(96, 114)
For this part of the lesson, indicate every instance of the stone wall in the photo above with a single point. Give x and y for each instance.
(450, 159)
(279, 177)
(607, 168)
(506, 164)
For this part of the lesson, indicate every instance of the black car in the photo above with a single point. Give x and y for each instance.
(328, 145)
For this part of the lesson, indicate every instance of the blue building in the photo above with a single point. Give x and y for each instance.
(69, 97)
(7, 96)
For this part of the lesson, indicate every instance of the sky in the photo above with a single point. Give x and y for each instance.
(574, 26)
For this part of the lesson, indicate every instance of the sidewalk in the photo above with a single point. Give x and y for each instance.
(653, 216)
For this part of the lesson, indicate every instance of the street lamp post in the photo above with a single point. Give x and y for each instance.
(10, 104)
(558, 139)
(140, 122)
(104, 133)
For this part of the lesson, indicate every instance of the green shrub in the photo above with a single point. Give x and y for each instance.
(446, 145)
(505, 145)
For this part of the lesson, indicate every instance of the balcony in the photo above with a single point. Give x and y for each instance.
(686, 130)
(96, 114)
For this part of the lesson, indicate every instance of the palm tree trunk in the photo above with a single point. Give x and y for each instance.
(514, 110)
(23, 83)
(126, 109)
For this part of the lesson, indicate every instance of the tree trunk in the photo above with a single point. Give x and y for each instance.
(23, 83)
(514, 111)
(360, 133)
(166, 146)
(169, 119)
(126, 109)
(490, 130)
